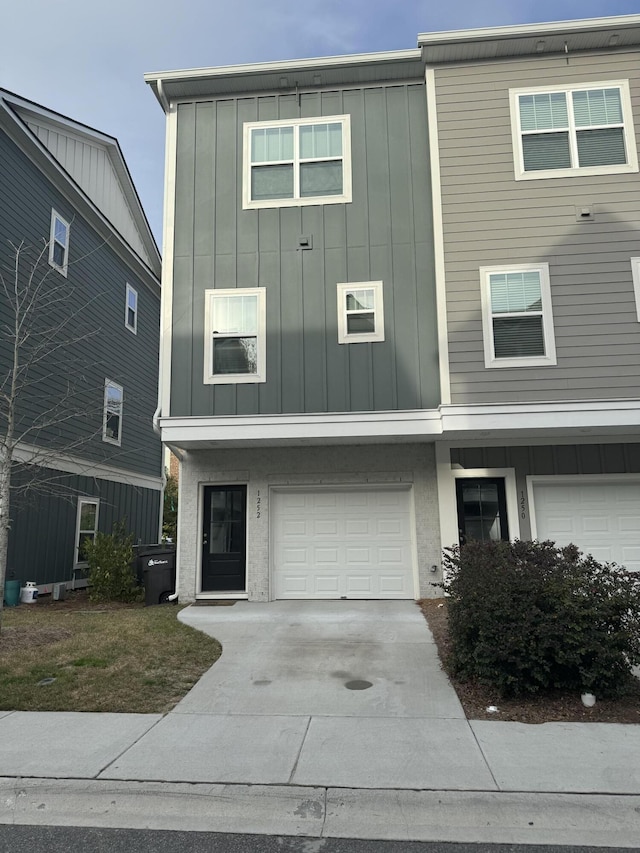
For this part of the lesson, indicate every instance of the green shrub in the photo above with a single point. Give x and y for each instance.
(527, 616)
(111, 576)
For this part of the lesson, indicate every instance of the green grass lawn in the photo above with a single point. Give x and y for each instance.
(125, 658)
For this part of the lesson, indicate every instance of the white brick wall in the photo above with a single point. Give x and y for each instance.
(263, 467)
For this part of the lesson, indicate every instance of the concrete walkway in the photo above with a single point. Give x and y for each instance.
(324, 719)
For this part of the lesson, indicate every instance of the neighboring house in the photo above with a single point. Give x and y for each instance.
(535, 130)
(330, 368)
(66, 187)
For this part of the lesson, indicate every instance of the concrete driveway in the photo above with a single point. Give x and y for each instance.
(336, 693)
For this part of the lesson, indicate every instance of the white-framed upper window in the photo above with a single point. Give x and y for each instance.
(112, 417)
(59, 243)
(235, 335)
(131, 309)
(517, 319)
(86, 526)
(635, 271)
(578, 130)
(360, 312)
(294, 162)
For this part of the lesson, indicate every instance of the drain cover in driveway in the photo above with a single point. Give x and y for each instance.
(357, 685)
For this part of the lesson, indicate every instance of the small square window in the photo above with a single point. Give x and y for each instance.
(360, 312)
(112, 417)
(581, 130)
(86, 526)
(235, 335)
(131, 310)
(516, 316)
(59, 243)
(297, 162)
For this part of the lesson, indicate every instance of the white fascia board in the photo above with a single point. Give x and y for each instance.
(269, 428)
(283, 66)
(115, 155)
(527, 30)
(514, 417)
(44, 458)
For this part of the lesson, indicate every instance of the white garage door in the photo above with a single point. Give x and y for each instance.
(601, 518)
(334, 543)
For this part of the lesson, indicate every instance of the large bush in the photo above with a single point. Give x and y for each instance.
(527, 616)
(111, 576)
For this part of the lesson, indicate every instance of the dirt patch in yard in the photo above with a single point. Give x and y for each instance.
(557, 706)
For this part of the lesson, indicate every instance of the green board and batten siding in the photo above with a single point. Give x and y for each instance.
(490, 219)
(384, 234)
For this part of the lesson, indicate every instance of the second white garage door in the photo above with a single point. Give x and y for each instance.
(601, 518)
(335, 543)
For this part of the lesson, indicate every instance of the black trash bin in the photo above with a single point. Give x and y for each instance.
(156, 568)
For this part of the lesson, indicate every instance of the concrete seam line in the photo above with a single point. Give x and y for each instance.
(484, 757)
(127, 748)
(295, 763)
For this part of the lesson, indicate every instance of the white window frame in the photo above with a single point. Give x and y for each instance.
(297, 201)
(635, 272)
(55, 217)
(346, 337)
(209, 378)
(83, 500)
(132, 328)
(490, 359)
(108, 383)
(629, 136)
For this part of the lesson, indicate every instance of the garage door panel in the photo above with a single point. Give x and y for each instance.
(602, 518)
(362, 536)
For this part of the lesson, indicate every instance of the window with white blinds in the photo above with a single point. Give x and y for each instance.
(235, 335)
(517, 317)
(297, 162)
(582, 130)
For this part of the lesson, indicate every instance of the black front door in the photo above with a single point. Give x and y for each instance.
(482, 509)
(224, 546)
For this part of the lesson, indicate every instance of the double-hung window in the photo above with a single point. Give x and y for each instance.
(297, 162)
(360, 312)
(516, 316)
(112, 416)
(59, 243)
(131, 310)
(235, 335)
(86, 525)
(635, 272)
(583, 130)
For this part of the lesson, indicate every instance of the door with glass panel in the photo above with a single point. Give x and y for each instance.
(482, 509)
(224, 547)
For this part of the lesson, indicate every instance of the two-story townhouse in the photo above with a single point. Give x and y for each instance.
(299, 367)
(89, 455)
(537, 208)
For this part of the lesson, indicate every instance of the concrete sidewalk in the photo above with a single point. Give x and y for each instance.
(324, 719)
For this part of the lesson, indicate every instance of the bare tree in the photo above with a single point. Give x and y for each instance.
(44, 391)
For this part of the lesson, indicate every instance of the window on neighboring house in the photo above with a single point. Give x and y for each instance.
(297, 162)
(516, 315)
(131, 310)
(86, 525)
(360, 312)
(635, 270)
(235, 333)
(112, 419)
(581, 130)
(59, 243)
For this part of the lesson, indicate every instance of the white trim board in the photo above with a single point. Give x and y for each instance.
(84, 467)
(168, 236)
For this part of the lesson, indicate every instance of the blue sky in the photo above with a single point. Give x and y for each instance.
(87, 59)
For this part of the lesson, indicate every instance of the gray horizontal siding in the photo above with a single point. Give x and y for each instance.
(491, 219)
(43, 525)
(385, 233)
(94, 295)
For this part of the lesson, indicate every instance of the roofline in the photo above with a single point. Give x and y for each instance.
(527, 30)
(14, 100)
(320, 62)
(30, 139)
